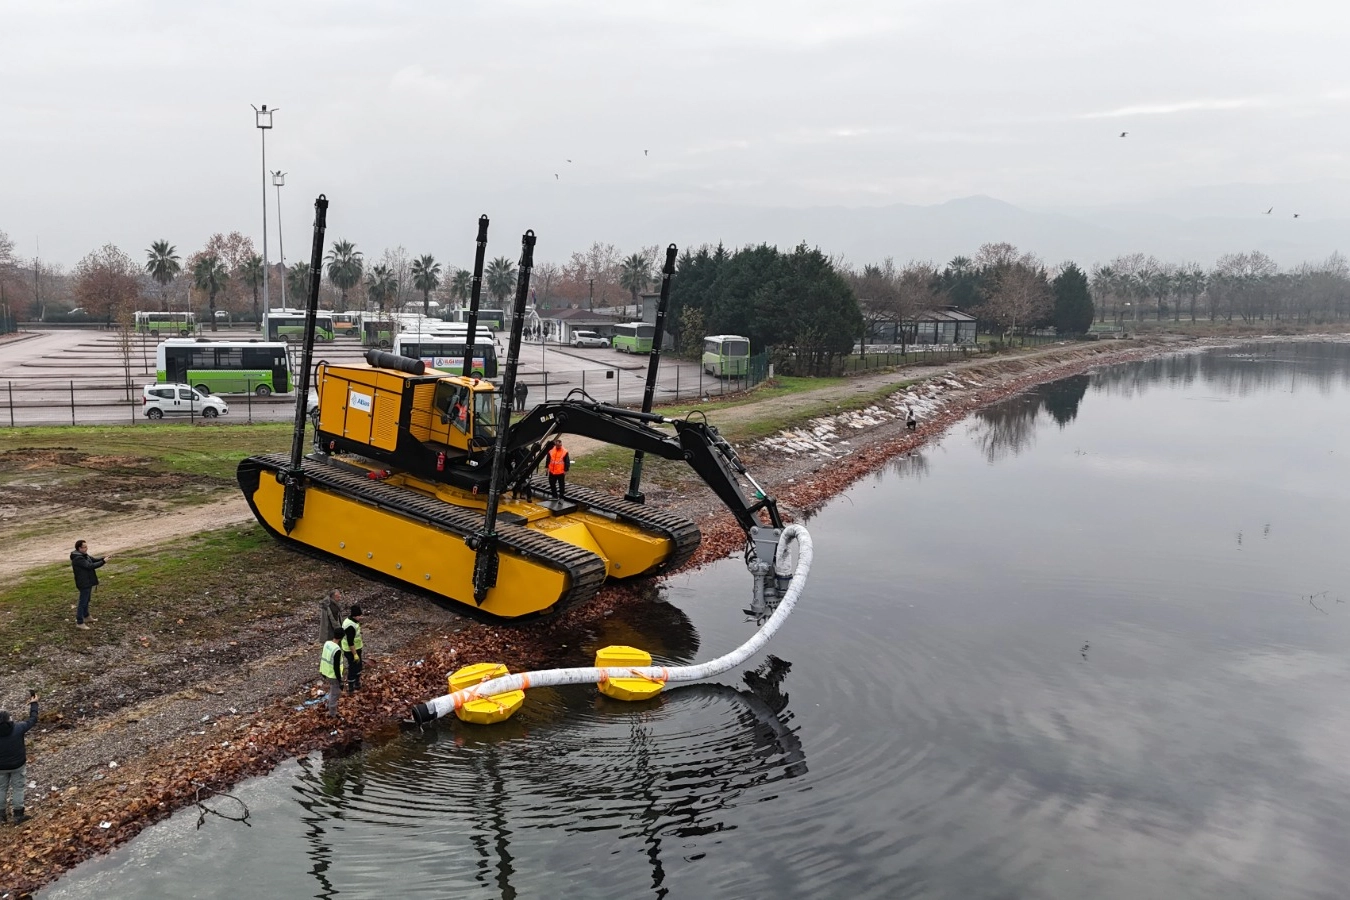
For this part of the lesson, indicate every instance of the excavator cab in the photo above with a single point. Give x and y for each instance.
(468, 413)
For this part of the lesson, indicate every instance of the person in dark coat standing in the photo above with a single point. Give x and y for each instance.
(85, 579)
(14, 759)
(522, 392)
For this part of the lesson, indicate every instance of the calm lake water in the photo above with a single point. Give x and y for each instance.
(1095, 643)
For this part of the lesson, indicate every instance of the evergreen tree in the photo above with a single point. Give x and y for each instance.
(1073, 312)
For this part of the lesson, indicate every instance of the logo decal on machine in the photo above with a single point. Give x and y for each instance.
(363, 402)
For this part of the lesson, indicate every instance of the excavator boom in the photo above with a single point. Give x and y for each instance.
(694, 441)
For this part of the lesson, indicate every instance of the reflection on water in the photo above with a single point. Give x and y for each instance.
(656, 777)
(1009, 427)
(1092, 644)
(1322, 366)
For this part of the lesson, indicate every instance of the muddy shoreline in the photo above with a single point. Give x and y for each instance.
(220, 719)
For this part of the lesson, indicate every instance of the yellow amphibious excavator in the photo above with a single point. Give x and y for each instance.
(418, 474)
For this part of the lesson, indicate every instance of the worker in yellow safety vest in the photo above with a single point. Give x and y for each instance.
(559, 461)
(351, 646)
(330, 667)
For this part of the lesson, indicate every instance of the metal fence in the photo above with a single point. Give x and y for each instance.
(71, 402)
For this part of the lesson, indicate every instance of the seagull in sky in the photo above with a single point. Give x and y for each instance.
(555, 175)
(1269, 211)
(1123, 133)
(569, 160)
(1295, 215)
(644, 152)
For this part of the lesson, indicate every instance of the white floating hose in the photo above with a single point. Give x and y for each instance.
(448, 703)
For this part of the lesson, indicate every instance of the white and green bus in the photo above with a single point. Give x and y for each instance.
(155, 323)
(348, 323)
(726, 355)
(289, 325)
(633, 337)
(445, 349)
(225, 367)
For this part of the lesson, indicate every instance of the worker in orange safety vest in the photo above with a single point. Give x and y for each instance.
(559, 461)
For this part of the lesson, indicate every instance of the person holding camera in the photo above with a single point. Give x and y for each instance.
(14, 758)
(85, 580)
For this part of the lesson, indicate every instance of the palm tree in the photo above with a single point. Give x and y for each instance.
(344, 267)
(501, 278)
(381, 286)
(251, 273)
(163, 266)
(635, 274)
(297, 283)
(461, 285)
(209, 274)
(426, 276)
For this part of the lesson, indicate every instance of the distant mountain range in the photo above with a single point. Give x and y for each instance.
(1196, 225)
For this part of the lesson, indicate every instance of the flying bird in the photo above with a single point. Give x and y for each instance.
(569, 160)
(1269, 211)
(1295, 215)
(1123, 133)
(644, 152)
(555, 174)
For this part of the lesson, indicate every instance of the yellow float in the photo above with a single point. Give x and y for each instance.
(634, 688)
(484, 710)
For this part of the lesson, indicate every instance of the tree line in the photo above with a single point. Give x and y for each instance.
(815, 306)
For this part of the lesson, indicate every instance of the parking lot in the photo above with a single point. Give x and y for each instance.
(79, 376)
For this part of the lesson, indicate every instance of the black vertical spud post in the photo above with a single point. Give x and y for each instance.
(475, 296)
(293, 500)
(485, 544)
(634, 494)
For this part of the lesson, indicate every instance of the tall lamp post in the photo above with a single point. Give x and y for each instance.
(279, 179)
(264, 117)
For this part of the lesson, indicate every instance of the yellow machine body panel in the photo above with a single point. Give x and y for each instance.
(361, 404)
(410, 551)
(626, 549)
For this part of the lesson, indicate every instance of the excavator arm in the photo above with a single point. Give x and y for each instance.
(694, 441)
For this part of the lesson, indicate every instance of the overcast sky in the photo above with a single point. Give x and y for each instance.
(127, 122)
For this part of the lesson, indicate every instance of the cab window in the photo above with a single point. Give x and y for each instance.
(485, 410)
(451, 402)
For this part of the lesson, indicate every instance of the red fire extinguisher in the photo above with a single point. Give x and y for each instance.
(440, 461)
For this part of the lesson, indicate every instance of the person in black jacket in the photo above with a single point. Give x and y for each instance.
(85, 579)
(522, 392)
(14, 759)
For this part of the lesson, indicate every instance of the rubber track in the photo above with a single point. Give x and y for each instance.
(683, 533)
(585, 570)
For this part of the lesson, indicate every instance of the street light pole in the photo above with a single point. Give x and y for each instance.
(279, 179)
(264, 122)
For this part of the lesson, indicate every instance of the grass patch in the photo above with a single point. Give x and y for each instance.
(205, 585)
(212, 450)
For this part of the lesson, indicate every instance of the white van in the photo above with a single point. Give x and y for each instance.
(160, 400)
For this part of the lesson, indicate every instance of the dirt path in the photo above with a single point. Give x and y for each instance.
(113, 534)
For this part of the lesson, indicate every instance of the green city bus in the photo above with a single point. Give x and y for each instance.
(156, 323)
(726, 355)
(289, 325)
(378, 334)
(225, 367)
(348, 323)
(633, 337)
